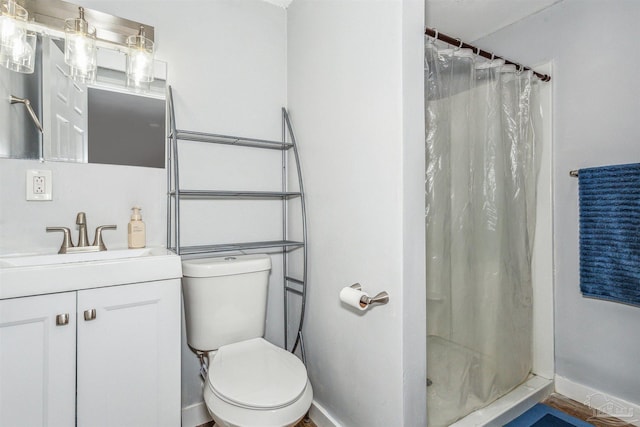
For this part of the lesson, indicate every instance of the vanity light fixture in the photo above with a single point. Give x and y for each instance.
(80, 51)
(139, 59)
(21, 23)
(17, 45)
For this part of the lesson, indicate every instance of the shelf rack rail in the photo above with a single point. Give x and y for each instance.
(175, 193)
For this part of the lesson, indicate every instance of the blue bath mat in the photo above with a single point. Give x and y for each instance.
(545, 416)
(551, 421)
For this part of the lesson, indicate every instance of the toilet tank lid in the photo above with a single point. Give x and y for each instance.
(225, 266)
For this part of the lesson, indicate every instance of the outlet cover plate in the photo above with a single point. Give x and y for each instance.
(39, 185)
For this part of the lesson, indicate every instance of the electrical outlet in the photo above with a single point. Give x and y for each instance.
(39, 185)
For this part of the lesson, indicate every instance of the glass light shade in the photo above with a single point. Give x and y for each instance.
(139, 60)
(80, 51)
(17, 45)
(21, 55)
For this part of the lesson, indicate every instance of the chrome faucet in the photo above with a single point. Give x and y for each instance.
(81, 221)
(83, 241)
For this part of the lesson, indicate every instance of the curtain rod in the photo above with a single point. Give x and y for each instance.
(431, 32)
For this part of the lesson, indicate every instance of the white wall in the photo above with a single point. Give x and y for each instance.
(345, 75)
(79, 187)
(414, 290)
(596, 109)
(227, 65)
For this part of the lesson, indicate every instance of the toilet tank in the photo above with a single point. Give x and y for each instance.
(225, 299)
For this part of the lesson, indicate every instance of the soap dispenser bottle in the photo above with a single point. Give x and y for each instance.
(137, 232)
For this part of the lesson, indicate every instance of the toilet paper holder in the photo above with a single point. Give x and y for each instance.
(380, 298)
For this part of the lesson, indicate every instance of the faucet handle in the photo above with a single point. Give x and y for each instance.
(97, 241)
(66, 239)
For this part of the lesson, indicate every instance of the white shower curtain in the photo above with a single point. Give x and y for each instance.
(482, 121)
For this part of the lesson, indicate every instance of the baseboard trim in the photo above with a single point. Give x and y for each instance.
(612, 405)
(321, 417)
(195, 415)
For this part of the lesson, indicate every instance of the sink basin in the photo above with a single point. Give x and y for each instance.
(34, 260)
(37, 274)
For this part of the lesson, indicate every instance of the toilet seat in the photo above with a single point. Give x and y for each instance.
(256, 374)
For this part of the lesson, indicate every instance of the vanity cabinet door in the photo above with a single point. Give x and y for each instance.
(38, 360)
(129, 355)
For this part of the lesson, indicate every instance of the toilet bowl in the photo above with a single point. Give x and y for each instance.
(255, 383)
(250, 382)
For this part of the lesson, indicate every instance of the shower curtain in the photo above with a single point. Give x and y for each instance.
(482, 120)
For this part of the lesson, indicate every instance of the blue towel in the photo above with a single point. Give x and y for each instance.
(610, 233)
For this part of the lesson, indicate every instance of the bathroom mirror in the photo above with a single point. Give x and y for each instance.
(102, 122)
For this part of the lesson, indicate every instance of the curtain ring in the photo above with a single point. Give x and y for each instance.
(435, 38)
(520, 69)
(493, 56)
(460, 45)
(477, 51)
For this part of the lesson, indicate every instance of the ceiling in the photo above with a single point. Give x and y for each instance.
(473, 19)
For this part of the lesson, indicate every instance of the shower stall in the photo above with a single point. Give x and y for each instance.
(483, 129)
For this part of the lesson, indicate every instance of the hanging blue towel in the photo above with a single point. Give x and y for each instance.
(610, 233)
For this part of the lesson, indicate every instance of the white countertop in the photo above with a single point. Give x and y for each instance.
(28, 275)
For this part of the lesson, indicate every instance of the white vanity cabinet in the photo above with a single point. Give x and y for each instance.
(129, 355)
(38, 361)
(119, 354)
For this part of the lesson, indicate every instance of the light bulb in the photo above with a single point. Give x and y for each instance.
(17, 45)
(140, 66)
(139, 60)
(21, 48)
(80, 51)
(9, 30)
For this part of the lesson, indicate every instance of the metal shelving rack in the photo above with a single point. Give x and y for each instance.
(175, 194)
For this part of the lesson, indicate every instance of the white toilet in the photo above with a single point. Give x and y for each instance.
(250, 382)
